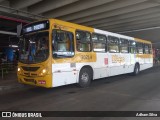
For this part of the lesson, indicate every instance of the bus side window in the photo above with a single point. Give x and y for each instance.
(146, 48)
(132, 47)
(124, 45)
(150, 49)
(113, 44)
(99, 43)
(139, 48)
(83, 39)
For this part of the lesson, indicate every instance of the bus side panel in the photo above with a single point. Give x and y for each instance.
(101, 68)
(140, 60)
(63, 74)
(67, 73)
(148, 61)
(128, 65)
(115, 66)
(146, 66)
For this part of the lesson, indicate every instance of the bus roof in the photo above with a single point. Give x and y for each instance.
(71, 25)
(81, 27)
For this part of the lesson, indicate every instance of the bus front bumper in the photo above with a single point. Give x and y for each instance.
(45, 81)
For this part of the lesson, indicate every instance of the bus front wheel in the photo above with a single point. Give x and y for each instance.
(84, 77)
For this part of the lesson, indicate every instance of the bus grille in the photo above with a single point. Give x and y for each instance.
(30, 68)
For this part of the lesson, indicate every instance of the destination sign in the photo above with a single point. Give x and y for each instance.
(44, 25)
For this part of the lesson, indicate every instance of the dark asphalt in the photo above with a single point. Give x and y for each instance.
(118, 93)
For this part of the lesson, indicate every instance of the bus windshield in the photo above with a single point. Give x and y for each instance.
(34, 48)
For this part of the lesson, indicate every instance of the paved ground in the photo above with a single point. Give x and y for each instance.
(119, 93)
(9, 82)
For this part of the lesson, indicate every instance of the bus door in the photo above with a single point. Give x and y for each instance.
(114, 56)
(125, 56)
(133, 52)
(63, 67)
(125, 62)
(101, 68)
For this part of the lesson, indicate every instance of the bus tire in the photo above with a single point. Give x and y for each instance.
(85, 77)
(136, 69)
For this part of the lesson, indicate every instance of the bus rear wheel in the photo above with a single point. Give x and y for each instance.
(136, 70)
(84, 77)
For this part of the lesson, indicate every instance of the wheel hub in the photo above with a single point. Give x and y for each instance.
(85, 77)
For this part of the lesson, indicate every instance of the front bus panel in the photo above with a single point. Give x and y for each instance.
(34, 67)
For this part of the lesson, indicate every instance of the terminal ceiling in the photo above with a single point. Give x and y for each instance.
(136, 18)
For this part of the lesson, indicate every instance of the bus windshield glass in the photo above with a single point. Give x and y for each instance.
(34, 48)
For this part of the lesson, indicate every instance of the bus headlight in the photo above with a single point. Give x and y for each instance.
(43, 72)
(19, 70)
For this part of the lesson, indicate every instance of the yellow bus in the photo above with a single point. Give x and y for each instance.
(55, 53)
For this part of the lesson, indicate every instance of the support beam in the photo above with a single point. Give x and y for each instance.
(148, 34)
(1, 1)
(157, 1)
(5, 2)
(99, 10)
(120, 11)
(8, 33)
(19, 4)
(19, 13)
(137, 30)
(132, 24)
(13, 19)
(49, 5)
(76, 7)
(136, 14)
(142, 18)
